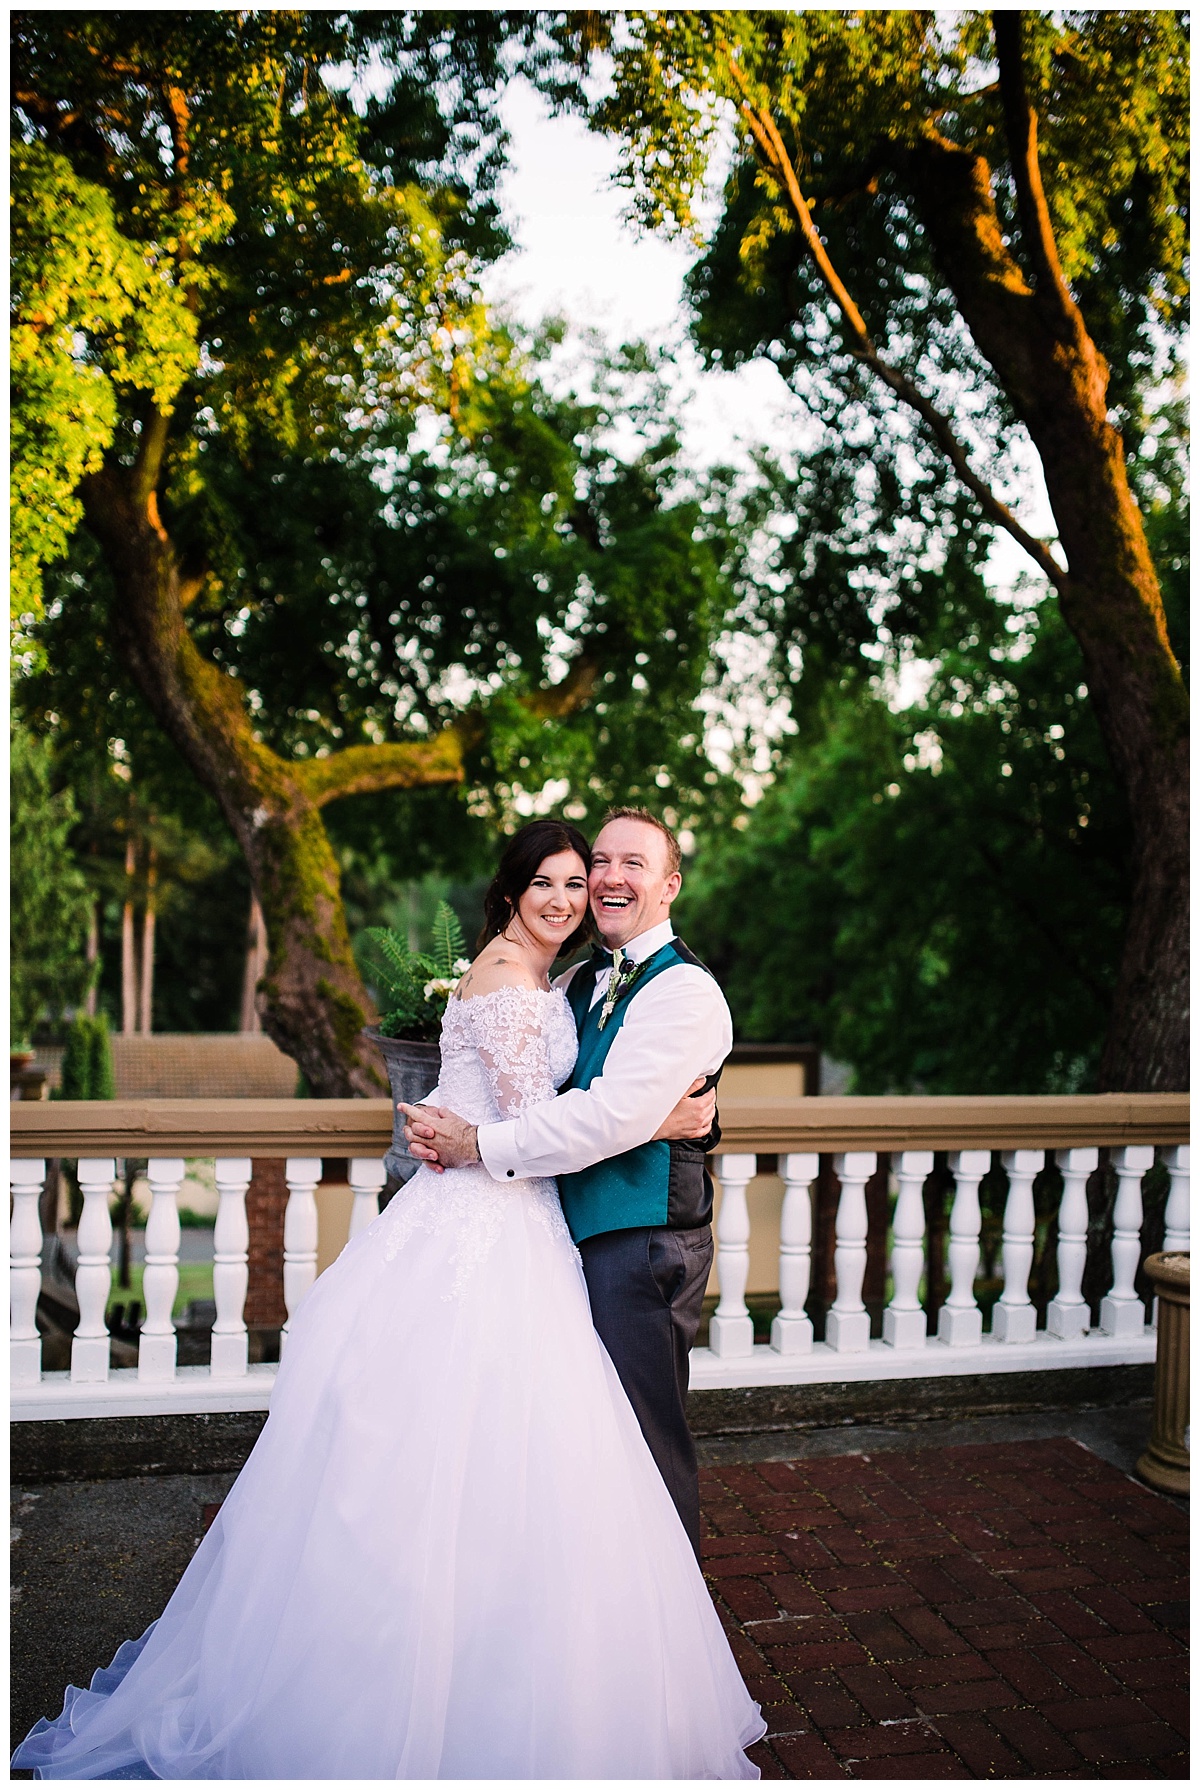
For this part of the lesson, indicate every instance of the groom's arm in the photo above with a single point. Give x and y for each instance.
(677, 1030)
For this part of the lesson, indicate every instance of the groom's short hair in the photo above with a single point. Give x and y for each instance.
(674, 855)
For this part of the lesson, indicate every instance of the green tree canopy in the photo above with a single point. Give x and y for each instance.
(311, 607)
(937, 893)
(93, 314)
(960, 237)
(389, 593)
(48, 896)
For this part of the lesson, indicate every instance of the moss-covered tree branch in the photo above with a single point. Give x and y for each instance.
(363, 770)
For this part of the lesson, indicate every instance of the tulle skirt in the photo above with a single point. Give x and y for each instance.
(450, 1554)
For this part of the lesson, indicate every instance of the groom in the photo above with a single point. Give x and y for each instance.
(653, 1027)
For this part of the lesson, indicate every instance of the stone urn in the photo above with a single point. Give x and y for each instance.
(413, 1066)
(1166, 1462)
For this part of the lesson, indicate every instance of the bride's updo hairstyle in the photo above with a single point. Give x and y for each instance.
(523, 857)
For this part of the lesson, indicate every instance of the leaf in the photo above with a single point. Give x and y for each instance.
(448, 941)
(395, 969)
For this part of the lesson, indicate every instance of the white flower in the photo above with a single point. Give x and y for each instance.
(462, 965)
(441, 985)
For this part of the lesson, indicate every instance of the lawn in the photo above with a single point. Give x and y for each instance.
(195, 1282)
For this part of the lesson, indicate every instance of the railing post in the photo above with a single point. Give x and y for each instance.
(368, 1178)
(1067, 1315)
(848, 1323)
(1014, 1318)
(1177, 1220)
(791, 1329)
(231, 1268)
(960, 1321)
(160, 1277)
(93, 1273)
(303, 1175)
(1121, 1311)
(25, 1272)
(904, 1324)
(731, 1328)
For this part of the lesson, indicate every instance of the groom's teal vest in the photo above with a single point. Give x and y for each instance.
(657, 1183)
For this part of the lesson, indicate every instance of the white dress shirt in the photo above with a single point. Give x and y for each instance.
(674, 1029)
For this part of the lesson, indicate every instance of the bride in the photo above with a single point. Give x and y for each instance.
(450, 1554)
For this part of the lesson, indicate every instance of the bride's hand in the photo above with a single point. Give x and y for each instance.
(419, 1134)
(438, 1137)
(692, 1117)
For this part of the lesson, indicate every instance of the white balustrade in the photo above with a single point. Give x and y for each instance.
(368, 1178)
(848, 1322)
(231, 1267)
(160, 1278)
(1177, 1219)
(1067, 1315)
(1121, 1311)
(731, 1328)
(93, 1273)
(791, 1329)
(1014, 1318)
(25, 1272)
(303, 1176)
(960, 1321)
(732, 1360)
(904, 1324)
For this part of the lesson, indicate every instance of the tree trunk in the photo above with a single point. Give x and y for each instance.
(1056, 380)
(124, 1210)
(146, 1002)
(129, 989)
(93, 953)
(313, 1003)
(256, 965)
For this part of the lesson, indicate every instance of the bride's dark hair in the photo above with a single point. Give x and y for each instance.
(523, 856)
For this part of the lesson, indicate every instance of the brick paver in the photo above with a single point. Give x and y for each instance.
(1008, 1609)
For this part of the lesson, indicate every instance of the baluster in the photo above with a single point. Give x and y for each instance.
(93, 1274)
(1014, 1318)
(368, 1178)
(1178, 1232)
(160, 1278)
(791, 1329)
(25, 1272)
(1067, 1314)
(231, 1267)
(904, 1324)
(1121, 1311)
(848, 1324)
(731, 1328)
(960, 1321)
(303, 1175)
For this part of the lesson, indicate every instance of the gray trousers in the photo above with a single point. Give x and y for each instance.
(646, 1288)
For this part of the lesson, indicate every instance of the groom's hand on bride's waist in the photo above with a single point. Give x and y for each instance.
(692, 1116)
(439, 1137)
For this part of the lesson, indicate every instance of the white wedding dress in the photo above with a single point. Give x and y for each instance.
(450, 1554)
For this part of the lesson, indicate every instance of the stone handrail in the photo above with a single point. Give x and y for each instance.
(74, 1128)
(1142, 1133)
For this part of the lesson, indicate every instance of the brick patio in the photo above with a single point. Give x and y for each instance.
(1008, 1609)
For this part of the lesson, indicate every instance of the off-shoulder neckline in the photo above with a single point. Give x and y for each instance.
(504, 988)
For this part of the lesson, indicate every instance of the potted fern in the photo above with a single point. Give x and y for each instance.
(411, 989)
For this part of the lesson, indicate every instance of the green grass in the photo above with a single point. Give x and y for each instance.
(195, 1282)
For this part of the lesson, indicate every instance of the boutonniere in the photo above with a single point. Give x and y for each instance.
(624, 974)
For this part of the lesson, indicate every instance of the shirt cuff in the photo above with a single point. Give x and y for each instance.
(496, 1144)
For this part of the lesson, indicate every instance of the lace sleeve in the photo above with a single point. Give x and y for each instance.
(509, 1033)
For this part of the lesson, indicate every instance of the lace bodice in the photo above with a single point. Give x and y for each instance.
(501, 1052)
(504, 1051)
